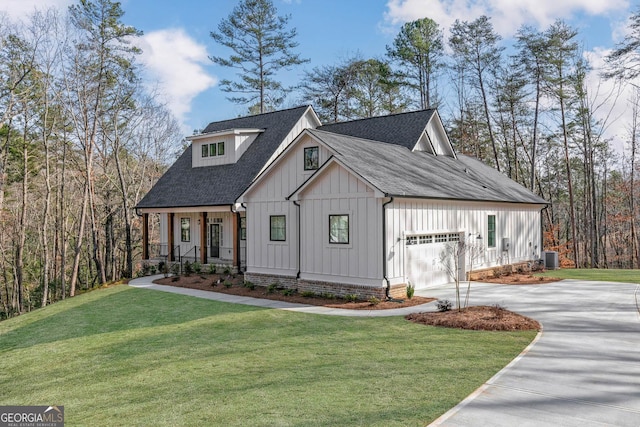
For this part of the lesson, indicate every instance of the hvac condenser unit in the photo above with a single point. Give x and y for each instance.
(551, 260)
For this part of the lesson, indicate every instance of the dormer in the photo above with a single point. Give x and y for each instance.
(434, 139)
(221, 147)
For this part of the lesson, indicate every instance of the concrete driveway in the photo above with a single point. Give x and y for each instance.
(584, 369)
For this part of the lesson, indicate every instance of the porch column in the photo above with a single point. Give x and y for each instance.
(170, 218)
(145, 236)
(203, 237)
(235, 224)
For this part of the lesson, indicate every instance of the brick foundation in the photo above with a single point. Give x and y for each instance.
(501, 270)
(318, 287)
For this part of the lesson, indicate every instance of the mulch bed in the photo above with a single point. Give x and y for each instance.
(519, 279)
(215, 283)
(477, 318)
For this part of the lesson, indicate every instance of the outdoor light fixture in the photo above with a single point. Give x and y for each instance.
(478, 235)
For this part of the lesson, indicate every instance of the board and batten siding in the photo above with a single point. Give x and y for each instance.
(518, 222)
(307, 121)
(268, 198)
(338, 192)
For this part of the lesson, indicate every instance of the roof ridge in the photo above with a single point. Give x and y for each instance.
(341, 135)
(380, 116)
(261, 114)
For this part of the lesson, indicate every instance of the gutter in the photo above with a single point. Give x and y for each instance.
(299, 240)
(384, 246)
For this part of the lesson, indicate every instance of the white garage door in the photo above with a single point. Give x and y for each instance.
(423, 261)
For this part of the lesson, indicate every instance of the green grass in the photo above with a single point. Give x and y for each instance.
(133, 357)
(602, 275)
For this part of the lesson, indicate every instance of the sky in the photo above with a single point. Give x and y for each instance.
(177, 45)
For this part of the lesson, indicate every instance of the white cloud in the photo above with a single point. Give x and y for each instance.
(176, 63)
(23, 8)
(506, 15)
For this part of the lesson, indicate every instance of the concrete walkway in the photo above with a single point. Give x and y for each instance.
(583, 370)
(147, 283)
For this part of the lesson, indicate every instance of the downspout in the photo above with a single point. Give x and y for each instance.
(384, 247)
(299, 240)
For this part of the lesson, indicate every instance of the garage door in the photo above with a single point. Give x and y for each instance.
(423, 260)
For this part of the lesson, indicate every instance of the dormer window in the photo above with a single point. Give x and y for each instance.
(213, 150)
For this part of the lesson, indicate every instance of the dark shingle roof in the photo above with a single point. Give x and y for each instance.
(402, 129)
(395, 170)
(184, 186)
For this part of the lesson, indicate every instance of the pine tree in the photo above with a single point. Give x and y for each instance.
(261, 45)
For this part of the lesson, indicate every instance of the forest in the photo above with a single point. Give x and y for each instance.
(82, 138)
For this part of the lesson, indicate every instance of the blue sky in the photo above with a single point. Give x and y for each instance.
(177, 44)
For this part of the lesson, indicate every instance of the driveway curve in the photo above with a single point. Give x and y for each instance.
(583, 370)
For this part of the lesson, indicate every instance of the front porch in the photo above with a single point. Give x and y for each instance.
(215, 236)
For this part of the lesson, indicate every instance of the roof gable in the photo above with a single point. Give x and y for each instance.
(395, 170)
(185, 186)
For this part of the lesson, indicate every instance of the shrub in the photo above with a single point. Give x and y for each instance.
(152, 269)
(145, 268)
(308, 294)
(350, 297)
(175, 268)
(188, 268)
(328, 295)
(443, 305)
(374, 301)
(288, 292)
(227, 271)
(272, 288)
(250, 285)
(197, 267)
(410, 290)
(212, 269)
(227, 284)
(163, 267)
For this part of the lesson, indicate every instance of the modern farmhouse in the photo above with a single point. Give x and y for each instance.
(361, 207)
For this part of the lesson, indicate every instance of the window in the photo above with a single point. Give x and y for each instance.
(185, 229)
(212, 150)
(440, 238)
(454, 237)
(277, 228)
(205, 150)
(339, 229)
(424, 240)
(310, 158)
(491, 231)
(243, 228)
(220, 148)
(412, 240)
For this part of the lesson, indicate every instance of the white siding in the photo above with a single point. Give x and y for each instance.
(269, 198)
(307, 121)
(229, 151)
(406, 217)
(338, 192)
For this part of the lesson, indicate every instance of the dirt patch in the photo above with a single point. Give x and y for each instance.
(234, 285)
(519, 279)
(477, 318)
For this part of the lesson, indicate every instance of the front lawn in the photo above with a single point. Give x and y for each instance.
(597, 274)
(123, 356)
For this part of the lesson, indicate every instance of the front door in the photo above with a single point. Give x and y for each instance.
(214, 240)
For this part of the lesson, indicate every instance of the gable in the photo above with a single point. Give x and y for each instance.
(288, 171)
(335, 181)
